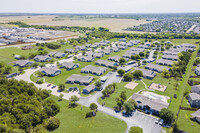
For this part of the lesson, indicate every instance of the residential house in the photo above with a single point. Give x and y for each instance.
(125, 68)
(122, 47)
(78, 79)
(42, 58)
(85, 58)
(70, 51)
(194, 99)
(197, 71)
(59, 55)
(88, 45)
(27, 47)
(114, 58)
(147, 73)
(69, 65)
(98, 55)
(89, 53)
(23, 63)
(143, 46)
(168, 42)
(50, 71)
(94, 70)
(170, 57)
(123, 40)
(147, 104)
(195, 89)
(155, 67)
(106, 63)
(148, 44)
(165, 62)
(88, 89)
(196, 116)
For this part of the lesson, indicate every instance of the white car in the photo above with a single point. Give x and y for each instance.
(161, 122)
(157, 121)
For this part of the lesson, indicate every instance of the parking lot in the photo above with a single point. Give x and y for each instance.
(147, 122)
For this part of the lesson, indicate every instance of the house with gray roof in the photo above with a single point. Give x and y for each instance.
(189, 45)
(170, 57)
(196, 115)
(85, 58)
(115, 49)
(42, 58)
(165, 62)
(94, 46)
(59, 55)
(78, 79)
(23, 63)
(155, 67)
(196, 89)
(143, 46)
(114, 58)
(98, 55)
(106, 63)
(194, 99)
(88, 45)
(147, 73)
(88, 89)
(94, 70)
(156, 42)
(69, 65)
(80, 48)
(70, 51)
(122, 40)
(89, 53)
(137, 49)
(50, 71)
(167, 52)
(152, 105)
(122, 47)
(197, 71)
(134, 42)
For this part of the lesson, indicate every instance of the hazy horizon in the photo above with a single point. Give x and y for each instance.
(100, 7)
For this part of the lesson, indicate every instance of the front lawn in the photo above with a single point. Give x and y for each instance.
(72, 120)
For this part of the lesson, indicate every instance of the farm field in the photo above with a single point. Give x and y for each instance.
(115, 25)
(73, 120)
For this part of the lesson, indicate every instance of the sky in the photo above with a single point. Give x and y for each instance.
(99, 6)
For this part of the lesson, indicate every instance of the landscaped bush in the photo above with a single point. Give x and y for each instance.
(52, 124)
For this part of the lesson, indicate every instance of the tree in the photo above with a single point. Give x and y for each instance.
(61, 87)
(121, 72)
(137, 74)
(52, 124)
(135, 130)
(133, 57)
(40, 74)
(93, 107)
(73, 99)
(83, 53)
(61, 96)
(123, 95)
(165, 73)
(137, 57)
(122, 61)
(129, 107)
(167, 115)
(114, 68)
(35, 65)
(98, 85)
(141, 54)
(128, 77)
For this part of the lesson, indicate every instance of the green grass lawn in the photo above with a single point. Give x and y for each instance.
(184, 122)
(111, 101)
(72, 120)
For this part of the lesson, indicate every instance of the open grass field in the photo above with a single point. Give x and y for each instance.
(113, 24)
(72, 120)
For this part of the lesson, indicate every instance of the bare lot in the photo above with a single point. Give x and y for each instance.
(115, 25)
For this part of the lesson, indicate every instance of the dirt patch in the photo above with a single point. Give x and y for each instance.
(158, 87)
(131, 85)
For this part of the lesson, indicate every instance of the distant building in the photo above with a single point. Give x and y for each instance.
(194, 99)
(88, 89)
(78, 79)
(196, 115)
(23, 63)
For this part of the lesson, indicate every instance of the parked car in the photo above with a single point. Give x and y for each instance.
(161, 122)
(48, 85)
(53, 86)
(157, 121)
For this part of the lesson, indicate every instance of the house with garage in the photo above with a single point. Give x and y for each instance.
(115, 49)
(50, 71)
(85, 58)
(106, 63)
(196, 116)
(42, 58)
(122, 40)
(147, 73)
(195, 89)
(88, 89)
(94, 70)
(165, 62)
(78, 79)
(114, 58)
(59, 55)
(69, 65)
(194, 100)
(23, 63)
(155, 67)
(148, 104)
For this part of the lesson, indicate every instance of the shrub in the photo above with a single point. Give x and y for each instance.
(52, 124)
